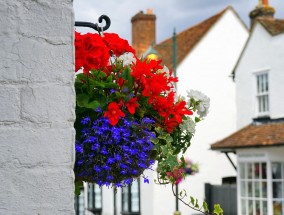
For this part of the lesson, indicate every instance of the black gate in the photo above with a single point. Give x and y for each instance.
(225, 195)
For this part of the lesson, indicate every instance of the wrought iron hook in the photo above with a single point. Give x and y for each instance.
(96, 26)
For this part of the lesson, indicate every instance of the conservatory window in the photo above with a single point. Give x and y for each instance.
(253, 188)
(94, 198)
(262, 94)
(277, 170)
(131, 199)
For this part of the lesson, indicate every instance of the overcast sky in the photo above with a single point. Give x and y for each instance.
(180, 14)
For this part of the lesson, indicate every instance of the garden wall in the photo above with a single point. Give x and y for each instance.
(36, 107)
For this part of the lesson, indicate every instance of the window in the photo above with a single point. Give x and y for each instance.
(262, 94)
(261, 188)
(79, 203)
(253, 188)
(94, 198)
(277, 170)
(131, 199)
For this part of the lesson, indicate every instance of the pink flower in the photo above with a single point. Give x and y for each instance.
(176, 174)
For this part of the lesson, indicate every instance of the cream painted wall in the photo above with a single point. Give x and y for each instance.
(263, 53)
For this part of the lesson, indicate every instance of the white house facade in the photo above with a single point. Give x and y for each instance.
(259, 142)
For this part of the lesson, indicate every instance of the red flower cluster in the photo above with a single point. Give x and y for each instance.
(93, 51)
(149, 81)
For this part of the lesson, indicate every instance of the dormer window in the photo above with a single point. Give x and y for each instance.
(262, 94)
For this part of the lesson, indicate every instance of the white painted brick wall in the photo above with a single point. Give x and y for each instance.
(37, 107)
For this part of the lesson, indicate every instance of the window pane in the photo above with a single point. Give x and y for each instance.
(249, 189)
(256, 170)
(249, 173)
(256, 189)
(277, 189)
(90, 196)
(98, 197)
(81, 204)
(243, 207)
(263, 171)
(262, 93)
(266, 82)
(257, 207)
(264, 189)
(266, 103)
(264, 207)
(276, 170)
(260, 102)
(135, 196)
(258, 84)
(125, 199)
(250, 207)
(277, 208)
(243, 188)
(242, 170)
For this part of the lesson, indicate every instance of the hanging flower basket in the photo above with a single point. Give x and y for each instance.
(128, 115)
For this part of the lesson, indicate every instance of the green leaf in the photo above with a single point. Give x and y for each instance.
(197, 119)
(98, 74)
(155, 140)
(78, 185)
(82, 100)
(196, 204)
(109, 79)
(169, 138)
(192, 200)
(93, 105)
(205, 206)
(218, 210)
(182, 161)
(97, 84)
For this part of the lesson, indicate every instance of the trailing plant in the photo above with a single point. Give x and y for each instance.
(128, 115)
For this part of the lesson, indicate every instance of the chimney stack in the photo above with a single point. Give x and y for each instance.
(263, 10)
(143, 31)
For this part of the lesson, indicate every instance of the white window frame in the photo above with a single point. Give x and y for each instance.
(260, 158)
(259, 95)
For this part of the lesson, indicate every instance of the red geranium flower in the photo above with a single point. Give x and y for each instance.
(131, 105)
(113, 113)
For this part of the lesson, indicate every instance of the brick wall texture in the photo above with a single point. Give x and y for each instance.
(37, 103)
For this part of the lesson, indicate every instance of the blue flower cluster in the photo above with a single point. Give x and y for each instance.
(107, 154)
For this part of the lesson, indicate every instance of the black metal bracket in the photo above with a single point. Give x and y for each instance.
(96, 26)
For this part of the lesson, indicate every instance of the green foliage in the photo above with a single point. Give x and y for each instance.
(218, 210)
(205, 206)
(78, 185)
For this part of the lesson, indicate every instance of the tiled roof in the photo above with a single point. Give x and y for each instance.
(254, 135)
(186, 40)
(273, 26)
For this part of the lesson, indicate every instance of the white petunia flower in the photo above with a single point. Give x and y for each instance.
(188, 125)
(127, 58)
(201, 100)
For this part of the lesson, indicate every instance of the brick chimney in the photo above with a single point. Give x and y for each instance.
(262, 10)
(143, 31)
